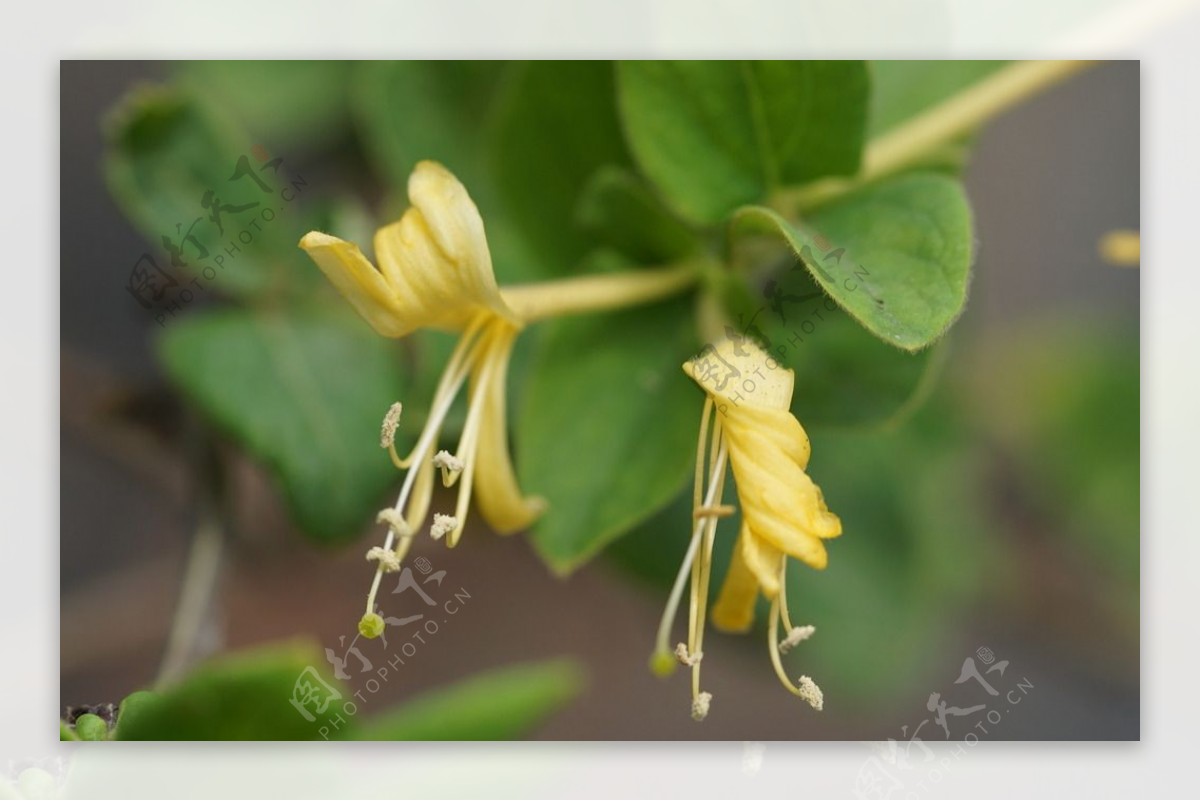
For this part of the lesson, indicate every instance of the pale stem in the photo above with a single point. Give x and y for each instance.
(909, 142)
(597, 293)
(195, 595)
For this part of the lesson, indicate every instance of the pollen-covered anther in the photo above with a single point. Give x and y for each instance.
(809, 691)
(723, 510)
(449, 464)
(700, 706)
(685, 657)
(796, 636)
(395, 521)
(387, 432)
(386, 557)
(442, 525)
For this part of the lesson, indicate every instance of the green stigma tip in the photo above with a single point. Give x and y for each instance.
(662, 664)
(371, 625)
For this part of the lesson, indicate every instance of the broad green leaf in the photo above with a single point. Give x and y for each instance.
(625, 214)
(895, 255)
(900, 90)
(240, 697)
(715, 135)
(172, 162)
(283, 104)
(503, 704)
(845, 376)
(608, 426)
(556, 126)
(305, 393)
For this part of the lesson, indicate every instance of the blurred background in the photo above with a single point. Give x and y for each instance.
(999, 523)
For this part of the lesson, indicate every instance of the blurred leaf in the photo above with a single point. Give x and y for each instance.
(607, 426)
(502, 704)
(240, 697)
(624, 214)
(1064, 399)
(441, 110)
(304, 392)
(283, 104)
(715, 135)
(65, 733)
(165, 152)
(556, 126)
(414, 110)
(902, 89)
(895, 255)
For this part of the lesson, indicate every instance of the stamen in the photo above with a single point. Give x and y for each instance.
(797, 635)
(396, 523)
(661, 660)
(808, 689)
(810, 692)
(450, 465)
(685, 657)
(442, 525)
(700, 706)
(386, 557)
(387, 433)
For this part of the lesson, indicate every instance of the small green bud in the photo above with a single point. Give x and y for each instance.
(662, 664)
(91, 727)
(371, 625)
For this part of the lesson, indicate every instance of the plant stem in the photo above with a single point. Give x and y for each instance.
(906, 144)
(597, 293)
(186, 641)
(195, 595)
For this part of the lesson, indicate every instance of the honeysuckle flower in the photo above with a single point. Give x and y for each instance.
(435, 271)
(783, 511)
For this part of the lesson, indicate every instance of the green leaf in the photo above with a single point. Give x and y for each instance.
(556, 126)
(240, 697)
(65, 734)
(900, 90)
(283, 104)
(895, 255)
(715, 135)
(304, 392)
(165, 151)
(624, 214)
(413, 110)
(607, 426)
(502, 704)
(91, 727)
(408, 111)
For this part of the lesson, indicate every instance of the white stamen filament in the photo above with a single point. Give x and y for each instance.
(456, 372)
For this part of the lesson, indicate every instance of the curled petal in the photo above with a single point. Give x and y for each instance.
(499, 497)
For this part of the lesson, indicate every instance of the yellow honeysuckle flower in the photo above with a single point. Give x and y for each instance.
(783, 511)
(435, 271)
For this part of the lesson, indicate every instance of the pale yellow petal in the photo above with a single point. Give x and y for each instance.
(497, 493)
(738, 373)
(734, 609)
(359, 282)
